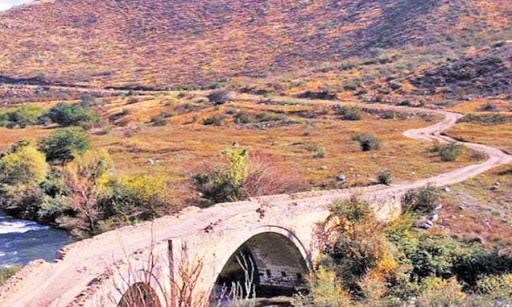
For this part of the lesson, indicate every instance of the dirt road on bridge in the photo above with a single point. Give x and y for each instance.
(60, 283)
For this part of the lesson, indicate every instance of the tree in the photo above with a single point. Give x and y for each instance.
(245, 176)
(86, 182)
(66, 114)
(22, 163)
(64, 144)
(137, 197)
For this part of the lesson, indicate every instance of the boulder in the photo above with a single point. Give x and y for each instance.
(433, 217)
(424, 224)
(341, 178)
(437, 208)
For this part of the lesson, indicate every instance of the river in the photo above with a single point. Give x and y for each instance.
(23, 241)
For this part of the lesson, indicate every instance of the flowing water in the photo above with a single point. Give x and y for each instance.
(23, 241)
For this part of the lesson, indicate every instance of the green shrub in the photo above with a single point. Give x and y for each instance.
(354, 210)
(488, 107)
(326, 290)
(66, 115)
(440, 292)
(269, 117)
(242, 118)
(22, 163)
(354, 245)
(21, 117)
(65, 144)
(496, 287)
(384, 177)
(22, 200)
(159, 120)
(450, 152)
(137, 197)
(218, 97)
(215, 120)
(367, 142)
(421, 200)
(319, 153)
(25, 116)
(349, 113)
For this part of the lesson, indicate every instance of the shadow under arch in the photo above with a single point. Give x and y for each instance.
(140, 295)
(272, 257)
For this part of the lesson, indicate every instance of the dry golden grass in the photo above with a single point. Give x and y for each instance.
(473, 210)
(9, 136)
(476, 105)
(180, 145)
(476, 210)
(496, 135)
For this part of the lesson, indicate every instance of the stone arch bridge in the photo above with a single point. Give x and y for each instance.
(269, 240)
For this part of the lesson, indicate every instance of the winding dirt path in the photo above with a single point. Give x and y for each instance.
(59, 283)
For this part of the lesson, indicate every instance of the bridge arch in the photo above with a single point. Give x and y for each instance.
(272, 258)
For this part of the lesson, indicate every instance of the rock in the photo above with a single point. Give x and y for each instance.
(495, 186)
(341, 178)
(323, 168)
(447, 189)
(424, 224)
(433, 217)
(437, 208)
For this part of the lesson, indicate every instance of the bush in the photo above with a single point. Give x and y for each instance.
(319, 153)
(440, 292)
(421, 200)
(367, 142)
(22, 163)
(66, 115)
(268, 117)
(354, 210)
(159, 120)
(353, 245)
(85, 182)
(384, 177)
(137, 197)
(21, 117)
(349, 113)
(496, 287)
(218, 97)
(488, 107)
(242, 118)
(215, 120)
(65, 144)
(244, 176)
(22, 200)
(326, 290)
(450, 152)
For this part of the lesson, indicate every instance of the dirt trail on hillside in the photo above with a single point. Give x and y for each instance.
(59, 283)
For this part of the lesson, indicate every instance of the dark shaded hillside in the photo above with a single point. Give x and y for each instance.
(488, 74)
(161, 43)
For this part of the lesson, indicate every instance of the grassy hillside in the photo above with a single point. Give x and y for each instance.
(162, 44)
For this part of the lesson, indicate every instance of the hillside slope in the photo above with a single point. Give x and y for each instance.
(160, 43)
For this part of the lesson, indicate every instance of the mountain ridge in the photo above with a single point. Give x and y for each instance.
(163, 44)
